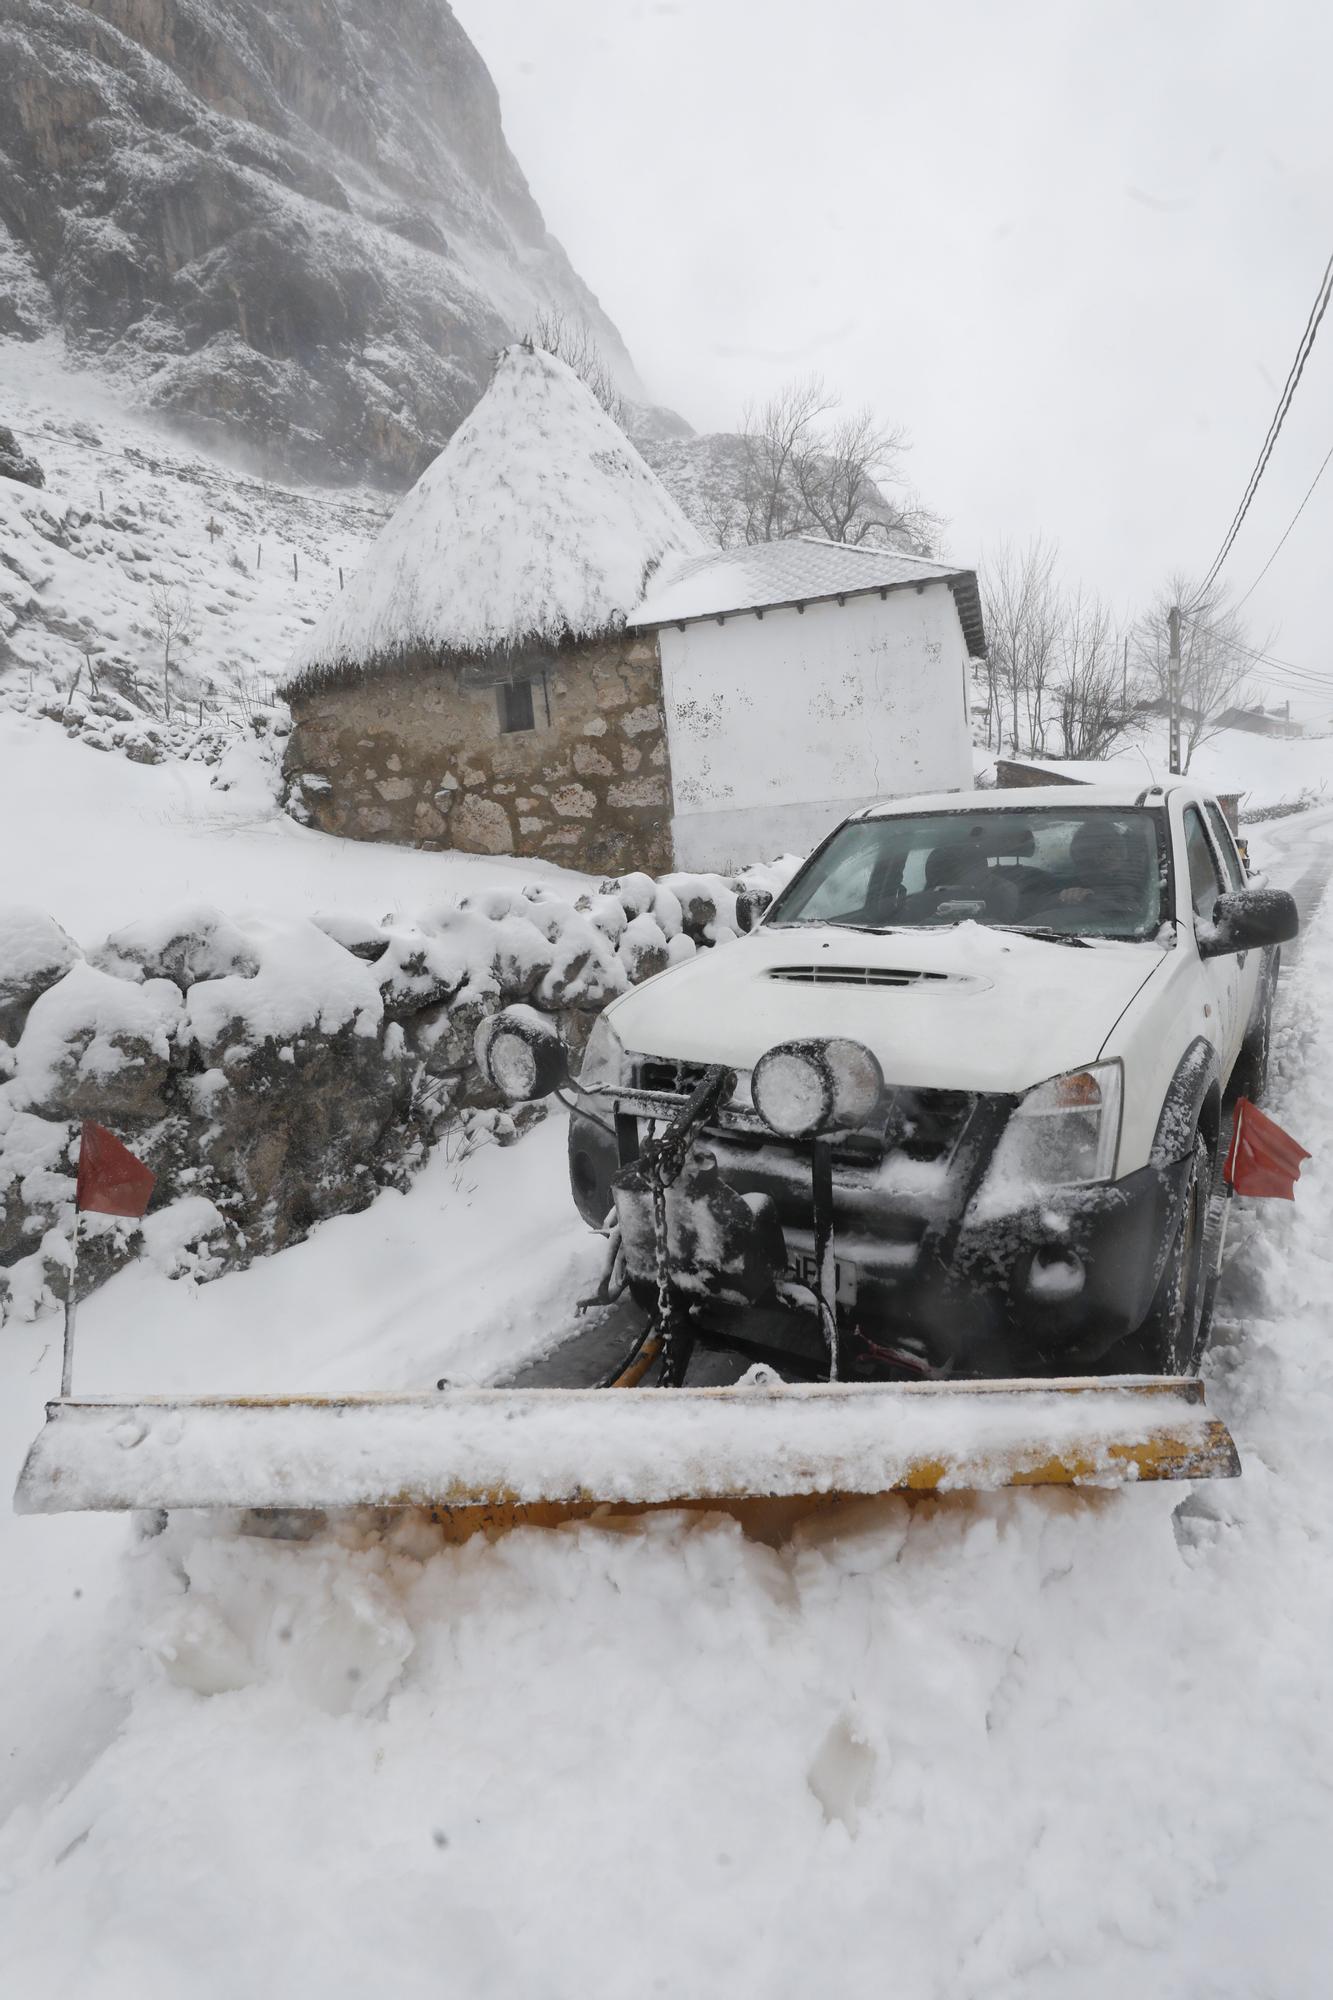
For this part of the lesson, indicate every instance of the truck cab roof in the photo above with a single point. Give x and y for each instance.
(1039, 798)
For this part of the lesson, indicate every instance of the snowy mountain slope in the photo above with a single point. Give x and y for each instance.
(1030, 1744)
(127, 502)
(294, 225)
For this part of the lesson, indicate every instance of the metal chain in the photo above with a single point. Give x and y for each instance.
(664, 1160)
(660, 1249)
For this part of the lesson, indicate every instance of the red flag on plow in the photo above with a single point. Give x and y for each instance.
(111, 1180)
(1263, 1159)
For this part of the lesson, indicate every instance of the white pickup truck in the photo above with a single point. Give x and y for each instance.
(974, 1061)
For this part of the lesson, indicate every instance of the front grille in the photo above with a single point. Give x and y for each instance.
(920, 1124)
(664, 1073)
(926, 1124)
(851, 975)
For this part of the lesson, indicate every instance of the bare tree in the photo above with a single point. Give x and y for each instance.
(842, 481)
(572, 342)
(811, 470)
(172, 609)
(776, 434)
(1216, 659)
(1093, 697)
(1023, 616)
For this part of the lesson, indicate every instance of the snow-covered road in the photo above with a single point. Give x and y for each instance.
(1034, 1744)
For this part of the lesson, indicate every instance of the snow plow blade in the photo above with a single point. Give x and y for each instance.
(502, 1457)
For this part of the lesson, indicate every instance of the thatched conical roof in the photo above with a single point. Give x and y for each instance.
(538, 521)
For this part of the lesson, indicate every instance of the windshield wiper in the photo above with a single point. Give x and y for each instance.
(833, 924)
(1046, 935)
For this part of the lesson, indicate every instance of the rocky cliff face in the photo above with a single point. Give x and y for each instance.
(295, 223)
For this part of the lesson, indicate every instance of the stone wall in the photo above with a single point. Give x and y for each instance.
(275, 1074)
(416, 755)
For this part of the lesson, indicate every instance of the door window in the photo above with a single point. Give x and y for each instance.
(1226, 847)
(1206, 883)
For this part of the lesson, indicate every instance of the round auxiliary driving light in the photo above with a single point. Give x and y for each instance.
(804, 1088)
(521, 1054)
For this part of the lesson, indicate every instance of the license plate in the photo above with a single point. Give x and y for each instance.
(805, 1270)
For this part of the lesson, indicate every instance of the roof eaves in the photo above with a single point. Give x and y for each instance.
(962, 582)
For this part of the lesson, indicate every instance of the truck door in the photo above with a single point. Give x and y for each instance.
(1249, 964)
(1223, 1023)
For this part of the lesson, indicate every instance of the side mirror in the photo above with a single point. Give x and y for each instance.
(750, 907)
(1248, 920)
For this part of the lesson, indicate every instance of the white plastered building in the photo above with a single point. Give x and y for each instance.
(802, 680)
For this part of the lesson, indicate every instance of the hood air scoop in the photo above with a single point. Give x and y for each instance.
(858, 975)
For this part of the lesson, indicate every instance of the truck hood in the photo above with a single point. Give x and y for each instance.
(967, 1008)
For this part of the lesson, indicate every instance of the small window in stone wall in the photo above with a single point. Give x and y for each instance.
(515, 706)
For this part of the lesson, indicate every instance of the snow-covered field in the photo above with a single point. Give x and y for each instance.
(100, 842)
(1035, 1744)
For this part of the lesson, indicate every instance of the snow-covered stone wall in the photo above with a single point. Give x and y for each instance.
(780, 725)
(273, 1074)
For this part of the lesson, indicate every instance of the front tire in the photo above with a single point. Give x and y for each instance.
(1173, 1337)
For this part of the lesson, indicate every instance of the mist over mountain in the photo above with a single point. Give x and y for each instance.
(295, 227)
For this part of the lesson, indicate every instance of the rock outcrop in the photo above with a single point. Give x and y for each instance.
(15, 463)
(293, 224)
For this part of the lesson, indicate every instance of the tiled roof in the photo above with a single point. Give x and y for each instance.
(764, 575)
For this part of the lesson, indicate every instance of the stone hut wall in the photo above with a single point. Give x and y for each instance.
(415, 754)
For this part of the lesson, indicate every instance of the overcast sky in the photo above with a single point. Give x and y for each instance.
(1072, 247)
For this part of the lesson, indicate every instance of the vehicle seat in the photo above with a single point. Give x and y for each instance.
(956, 872)
(1099, 887)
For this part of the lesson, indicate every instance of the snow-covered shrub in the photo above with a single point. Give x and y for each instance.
(185, 945)
(34, 953)
(94, 1046)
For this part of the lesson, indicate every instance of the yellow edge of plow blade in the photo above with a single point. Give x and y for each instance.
(497, 1458)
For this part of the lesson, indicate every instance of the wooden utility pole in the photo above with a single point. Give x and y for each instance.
(1173, 687)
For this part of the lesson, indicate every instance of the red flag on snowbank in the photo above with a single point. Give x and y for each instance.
(111, 1180)
(1263, 1159)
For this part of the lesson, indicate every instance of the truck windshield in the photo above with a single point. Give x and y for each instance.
(1095, 872)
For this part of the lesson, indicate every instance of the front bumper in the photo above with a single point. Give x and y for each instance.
(927, 1276)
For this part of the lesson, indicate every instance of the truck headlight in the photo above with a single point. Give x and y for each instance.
(1064, 1133)
(803, 1088)
(605, 1064)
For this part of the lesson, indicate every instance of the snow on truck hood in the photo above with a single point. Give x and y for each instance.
(968, 1008)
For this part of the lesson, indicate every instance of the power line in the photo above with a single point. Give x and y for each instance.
(1290, 525)
(1310, 674)
(1294, 374)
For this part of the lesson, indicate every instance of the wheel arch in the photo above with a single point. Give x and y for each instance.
(1193, 1102)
